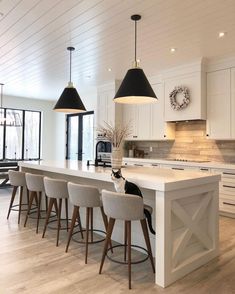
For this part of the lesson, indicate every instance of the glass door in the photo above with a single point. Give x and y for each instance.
(80, 136)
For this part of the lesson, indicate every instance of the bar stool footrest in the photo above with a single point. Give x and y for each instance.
(89, 242)
(23, 209)
(126, 262)
(62, 220)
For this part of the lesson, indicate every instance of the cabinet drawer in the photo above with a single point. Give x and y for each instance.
(228, 175)
(227, 205)
(227, 187)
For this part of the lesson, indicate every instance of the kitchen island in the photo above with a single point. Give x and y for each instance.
(185, 214)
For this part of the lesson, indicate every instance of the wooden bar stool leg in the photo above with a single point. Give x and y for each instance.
(20, 203)
(79, 222)
(58, 222)
(56, 208)
(125, 240)
(91, 210)
(74, 217)
(105, 220)
(12, 200)
(107, 241)
(46, 202)
(67, 214)
(29, 207)
(51, 202)
(87, 231)
(39, 195)
(129, 251)
(27, 192)
(147, 241)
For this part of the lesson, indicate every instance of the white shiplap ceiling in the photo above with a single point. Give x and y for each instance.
(34, 35)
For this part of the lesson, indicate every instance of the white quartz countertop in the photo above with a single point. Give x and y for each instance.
(206, 164)
(151, 178)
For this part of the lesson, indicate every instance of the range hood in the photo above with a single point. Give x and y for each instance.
(193, 77)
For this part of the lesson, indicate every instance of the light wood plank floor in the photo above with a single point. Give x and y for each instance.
(30, 264)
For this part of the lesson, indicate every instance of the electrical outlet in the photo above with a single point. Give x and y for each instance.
(150, 149)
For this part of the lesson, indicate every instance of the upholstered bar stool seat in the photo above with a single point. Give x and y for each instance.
(17, 180)
(56, 190)
(127, 208)
(35, 185)
(88, 197)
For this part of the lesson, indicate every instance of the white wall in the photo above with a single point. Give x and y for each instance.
(53, 123)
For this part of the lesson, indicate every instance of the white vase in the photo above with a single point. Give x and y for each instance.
(116, 158)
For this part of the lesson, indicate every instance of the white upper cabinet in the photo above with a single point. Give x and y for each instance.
(160, 130)
(219, 105)
(107, 110)
(147, 120)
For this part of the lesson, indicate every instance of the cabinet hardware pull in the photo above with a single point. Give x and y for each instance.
(136, 164)
(154, 164)
(178, 168)
(227, 173)
(227, 203)
(135, 136)
(204, 169)
(227, 186)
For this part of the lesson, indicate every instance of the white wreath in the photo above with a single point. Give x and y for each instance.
(173, 95)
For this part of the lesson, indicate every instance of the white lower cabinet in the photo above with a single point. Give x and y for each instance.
(227, 192)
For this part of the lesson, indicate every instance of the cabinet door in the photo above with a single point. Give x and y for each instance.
(218, 104)
(101, 109)
(130, 117)
(157, 114)
(144, 121)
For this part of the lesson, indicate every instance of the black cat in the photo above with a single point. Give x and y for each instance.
(124, 186)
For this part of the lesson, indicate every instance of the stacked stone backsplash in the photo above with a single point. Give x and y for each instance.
(190, 143)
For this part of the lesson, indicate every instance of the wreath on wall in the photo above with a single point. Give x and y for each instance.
(173, 98)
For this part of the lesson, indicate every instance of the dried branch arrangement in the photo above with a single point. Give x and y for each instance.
(115, 134)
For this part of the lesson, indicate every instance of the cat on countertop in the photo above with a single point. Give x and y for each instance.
(123, 186)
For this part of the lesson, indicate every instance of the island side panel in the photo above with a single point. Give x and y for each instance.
(187, 231)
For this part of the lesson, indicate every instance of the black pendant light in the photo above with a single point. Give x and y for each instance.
(135, 88)
(70, 101)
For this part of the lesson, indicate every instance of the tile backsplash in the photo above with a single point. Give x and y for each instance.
(190, 143)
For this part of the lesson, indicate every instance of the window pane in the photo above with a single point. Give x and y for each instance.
(73, 137)
(13, 134)
(88, 137)
(31, 140)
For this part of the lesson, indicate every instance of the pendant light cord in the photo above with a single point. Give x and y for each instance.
(70, 66)
(135, 41)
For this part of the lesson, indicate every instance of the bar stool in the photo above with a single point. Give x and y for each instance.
(35, 186)
(88, 197)
(56, 190)
(128, 208)
(17, 179)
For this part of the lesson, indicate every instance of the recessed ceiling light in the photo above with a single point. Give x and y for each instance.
(222, 34)
(173, 50)
(109, 69)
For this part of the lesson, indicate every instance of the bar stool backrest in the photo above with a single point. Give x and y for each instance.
(17, 178)
(34, 182)
(123, 206)
(55, 188)
(84, 195)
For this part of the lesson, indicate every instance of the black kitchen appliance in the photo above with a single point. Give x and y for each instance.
(103, 153)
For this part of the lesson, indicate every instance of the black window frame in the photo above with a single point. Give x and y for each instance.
(80, 128)
(23, 135)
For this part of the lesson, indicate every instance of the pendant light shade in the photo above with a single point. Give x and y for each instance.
(70, 101)
(135, 87)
